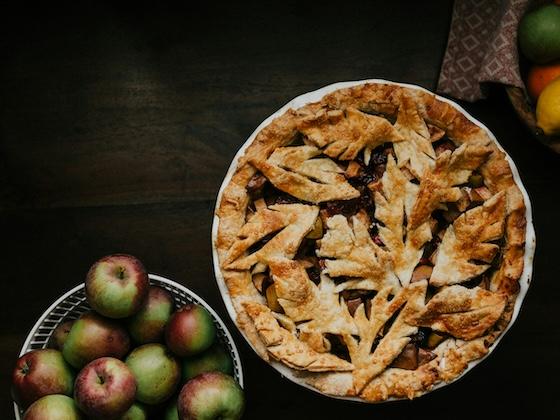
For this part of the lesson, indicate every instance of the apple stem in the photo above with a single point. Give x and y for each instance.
(120, 273)
(25, 369)
(100, 379)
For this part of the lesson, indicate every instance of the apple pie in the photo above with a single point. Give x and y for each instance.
(372, 242)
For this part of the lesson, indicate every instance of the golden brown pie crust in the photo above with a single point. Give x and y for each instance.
(359, 110)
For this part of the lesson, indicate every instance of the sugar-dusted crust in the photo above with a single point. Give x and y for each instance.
(327, 373)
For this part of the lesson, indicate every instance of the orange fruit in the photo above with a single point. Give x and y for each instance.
(540, 76)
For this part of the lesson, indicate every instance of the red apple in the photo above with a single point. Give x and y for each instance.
(216, 358)
(117, 285)
(53, 407)
(93, 336)
(190, 331)
(211, 395)
(60, 334)
(148, 324)
(105, 388)
(39, 373)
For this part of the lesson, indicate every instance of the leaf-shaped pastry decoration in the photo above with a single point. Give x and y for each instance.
(416, 150)
(291, 221)
(405, 245)
(438, 185)
(354, 254)
(302, 300)
(467, 240)
(285, 346)
(369, 326)
(344, 134)
(294, 171)
(463, 313)
(368, 365)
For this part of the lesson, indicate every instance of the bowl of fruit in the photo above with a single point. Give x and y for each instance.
(126, 344)
(538, 104)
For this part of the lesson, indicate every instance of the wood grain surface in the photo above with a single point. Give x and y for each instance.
(117, 125)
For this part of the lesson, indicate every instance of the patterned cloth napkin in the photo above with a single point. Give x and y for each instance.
(482, 47)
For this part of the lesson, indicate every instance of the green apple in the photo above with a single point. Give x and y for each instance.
(209, 396)
(157, 372)
(93, 336)
(117, 285)
(53, 407)
(216, 358)
(171, 412)
(539, 34)
(148, 324)
(136, 412)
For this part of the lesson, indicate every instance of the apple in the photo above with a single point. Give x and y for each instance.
(216, 358)
(59, 335)
(105, 388)
(190, 331)
(148, 324)
(93, 336)
(157, 372)
(135, 412)
(171, 412)
(116, 285)
(53, 407)
(211, 395)
(39, 373)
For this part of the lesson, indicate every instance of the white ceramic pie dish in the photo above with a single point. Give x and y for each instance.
(314, 96)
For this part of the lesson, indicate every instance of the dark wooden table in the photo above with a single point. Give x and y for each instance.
(118, 124)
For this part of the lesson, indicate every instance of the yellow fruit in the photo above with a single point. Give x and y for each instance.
(548, 108)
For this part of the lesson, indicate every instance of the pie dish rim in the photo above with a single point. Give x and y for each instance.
(317, 95)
